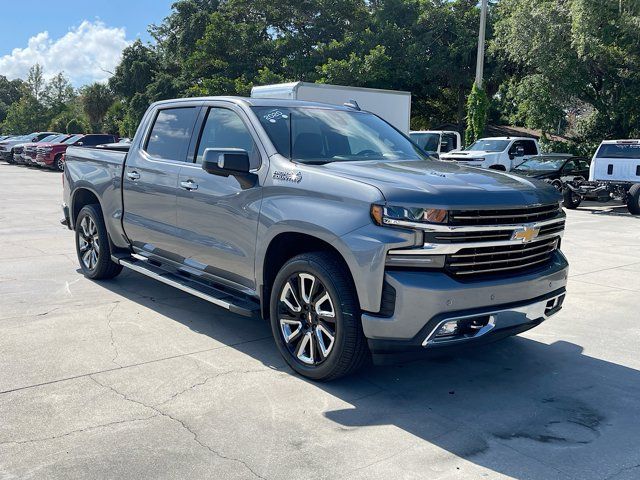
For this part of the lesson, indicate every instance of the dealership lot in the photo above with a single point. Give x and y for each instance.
(132, 379)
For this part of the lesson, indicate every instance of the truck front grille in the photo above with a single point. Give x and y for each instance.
(504, 217)
(501, 259)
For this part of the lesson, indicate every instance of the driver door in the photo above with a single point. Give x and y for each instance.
(217, 216)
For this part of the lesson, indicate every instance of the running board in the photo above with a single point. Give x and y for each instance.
(233, 303)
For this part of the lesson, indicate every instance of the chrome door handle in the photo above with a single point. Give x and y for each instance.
(133, 175)
(189, 185)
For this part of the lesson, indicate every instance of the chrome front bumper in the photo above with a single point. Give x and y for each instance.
(503, 319)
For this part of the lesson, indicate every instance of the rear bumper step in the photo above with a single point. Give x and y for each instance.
(235, 304)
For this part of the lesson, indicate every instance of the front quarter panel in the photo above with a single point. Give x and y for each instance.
(308, 200)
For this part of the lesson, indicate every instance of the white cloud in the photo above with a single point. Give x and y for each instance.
(85, 54)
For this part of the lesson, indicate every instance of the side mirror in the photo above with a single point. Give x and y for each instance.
(226, 161)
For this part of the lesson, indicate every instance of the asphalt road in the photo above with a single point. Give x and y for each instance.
(131, 379)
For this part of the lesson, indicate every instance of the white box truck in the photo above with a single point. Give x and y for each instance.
(392, 105)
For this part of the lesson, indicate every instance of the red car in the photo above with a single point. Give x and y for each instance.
(29, 150)
(50, 154)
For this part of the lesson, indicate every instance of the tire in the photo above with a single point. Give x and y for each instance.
(633, 199)
(58, 164)
(571, 200)
(557, 184)
(92, 245)
(303, 329)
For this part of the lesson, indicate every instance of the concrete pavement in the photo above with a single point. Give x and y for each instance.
(132, 379)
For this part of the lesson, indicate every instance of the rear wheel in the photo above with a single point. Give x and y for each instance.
(633, 199)
(92, 245)
(315, 317)
(571, 199)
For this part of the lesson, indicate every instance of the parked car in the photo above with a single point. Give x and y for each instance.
(50, 154)
(496, 153)
(437, 142)
(7, 146)
(326, 221)
(26, 153)
(555, 168)
(614, 174)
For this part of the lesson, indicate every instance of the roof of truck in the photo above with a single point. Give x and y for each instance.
(631, 142)
(258, 102)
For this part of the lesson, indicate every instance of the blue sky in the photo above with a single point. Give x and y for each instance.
(83, 38)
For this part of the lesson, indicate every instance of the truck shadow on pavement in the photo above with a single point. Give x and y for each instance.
(520, 408)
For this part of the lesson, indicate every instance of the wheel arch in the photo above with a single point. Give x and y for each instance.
(281, 248)
(81, 197)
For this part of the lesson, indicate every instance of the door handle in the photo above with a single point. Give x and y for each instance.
(189, 185)
(133, 175)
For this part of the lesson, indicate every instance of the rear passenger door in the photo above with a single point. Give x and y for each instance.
(217, 215)
(151, 179)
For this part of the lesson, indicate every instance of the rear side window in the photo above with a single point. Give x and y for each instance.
(93, 140)
(225, 129)
(616, 150)
(171, 133)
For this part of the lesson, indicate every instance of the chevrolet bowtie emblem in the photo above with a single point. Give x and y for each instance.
(525, 233)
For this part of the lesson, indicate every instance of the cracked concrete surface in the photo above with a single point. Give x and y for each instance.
(132, 379)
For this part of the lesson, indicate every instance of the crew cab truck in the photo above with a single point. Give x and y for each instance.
(324, 220)
(614, 175)
(496, 153)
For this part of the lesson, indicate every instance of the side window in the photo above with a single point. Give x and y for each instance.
(529, 147)
(93, 140)
(584, 165)
(570, 166)
(171, 132)
(514, 147)
(451, 141)
(225, 129)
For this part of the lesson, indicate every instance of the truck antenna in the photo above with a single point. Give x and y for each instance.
(351, 103)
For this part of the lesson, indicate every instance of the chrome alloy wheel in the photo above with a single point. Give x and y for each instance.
(89, 242)
(307, 318)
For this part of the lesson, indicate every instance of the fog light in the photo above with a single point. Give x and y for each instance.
(448, 329)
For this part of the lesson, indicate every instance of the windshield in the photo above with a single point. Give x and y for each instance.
(48, 138)
(542, 164)
(322, 135)
(73, 139)
(618, 150)
(427, 141)
(489, 145)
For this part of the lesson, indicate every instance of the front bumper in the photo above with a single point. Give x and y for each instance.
(425, 300)
(44, 160)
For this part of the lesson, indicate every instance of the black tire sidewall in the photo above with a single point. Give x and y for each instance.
(56, 163)
(343, 303)
(569, 199)
(633, 200)
(104, 259)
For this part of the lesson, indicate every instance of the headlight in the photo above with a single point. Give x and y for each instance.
(395, 215)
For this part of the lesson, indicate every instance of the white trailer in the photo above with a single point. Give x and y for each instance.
(392, 105)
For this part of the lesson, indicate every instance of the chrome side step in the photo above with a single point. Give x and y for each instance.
(233, 303)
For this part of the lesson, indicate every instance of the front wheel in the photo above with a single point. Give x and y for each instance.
(633, 199)
(571, 199)
(58, 163)
(92, 245)
(315, 317)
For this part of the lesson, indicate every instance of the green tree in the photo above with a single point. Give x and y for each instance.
(25, 116)
(96, 100)
(10, 92)
(477, 112)
(135, 71)
(36, 82)
(569, 53)
(58, 93)
(76, 125)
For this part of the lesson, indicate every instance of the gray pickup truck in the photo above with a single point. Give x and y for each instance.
(324, 220)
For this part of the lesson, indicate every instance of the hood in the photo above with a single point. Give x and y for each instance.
(445, 184)
(47, 144)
